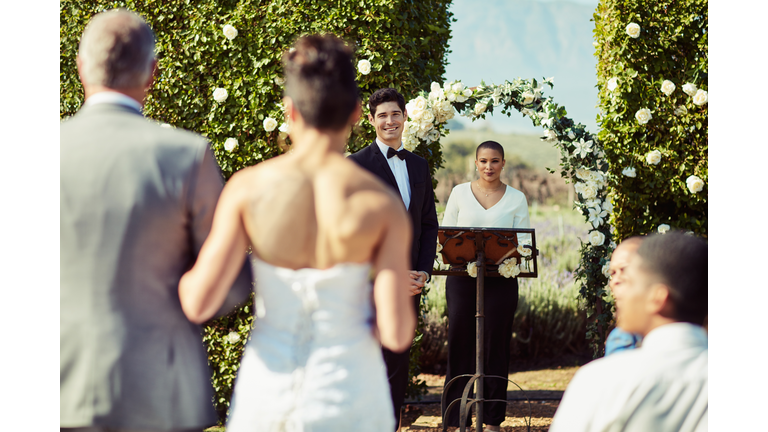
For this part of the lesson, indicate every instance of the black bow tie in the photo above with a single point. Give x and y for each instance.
(392, 152)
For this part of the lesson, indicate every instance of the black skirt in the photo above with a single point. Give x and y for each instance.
(500, 305)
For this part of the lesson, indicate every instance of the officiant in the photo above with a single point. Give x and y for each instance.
(486, 203)
(409, 177)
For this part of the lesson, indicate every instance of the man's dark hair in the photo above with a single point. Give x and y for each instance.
(320, 79)
(493, 145)
(679, 261)
(385, 95)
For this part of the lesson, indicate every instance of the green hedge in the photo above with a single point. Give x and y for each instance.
(672, 45)
(404, 40)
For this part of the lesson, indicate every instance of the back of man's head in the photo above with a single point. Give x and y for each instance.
(117, 50)
(680, 262)
(385, 95)
(320, 80)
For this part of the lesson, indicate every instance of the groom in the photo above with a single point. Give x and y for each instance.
(409, 177)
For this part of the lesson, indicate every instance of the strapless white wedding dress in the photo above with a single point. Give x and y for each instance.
(312, 363)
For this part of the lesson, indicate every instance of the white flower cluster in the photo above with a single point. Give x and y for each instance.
(509, 268)
(700, 97)
(425, 114)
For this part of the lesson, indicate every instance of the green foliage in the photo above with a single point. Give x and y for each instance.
(404, 41)
(672, 45)
(225, 339)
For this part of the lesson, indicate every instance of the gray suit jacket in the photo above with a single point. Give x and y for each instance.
(137, 202)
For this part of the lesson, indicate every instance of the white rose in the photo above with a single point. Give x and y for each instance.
(612, 84)
(694, 183)
(439, 246)
(689, 89)
(414, 114)
(629, 172)
(279, 81)
(633, 30)
(681, 110)
(643, 115)
(270, 124)
(589, 190)
(528, 97)
(596, 238)
(451, 97)
(472, 269)
(701, 97)
(410, 143)
(667, 87)
(364, 67)
(467, 92)
(230, 32)
(220, 95)
(420, 103)
(653, 157)
(233, 337)
(285, 128)
(479, 108)
(435, 87)
(606, 269)
(523, 251)
(230, 144)
(427, 117)
(663, 228)
(583, 174)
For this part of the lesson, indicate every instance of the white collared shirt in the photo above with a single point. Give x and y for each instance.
(113, 97)
(659, 387)
(400, 171)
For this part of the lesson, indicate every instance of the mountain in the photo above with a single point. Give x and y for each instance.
(497, 40)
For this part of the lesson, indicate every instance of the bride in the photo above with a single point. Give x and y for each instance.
(319, 226)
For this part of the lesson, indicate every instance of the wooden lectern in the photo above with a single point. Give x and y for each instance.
(488, 248)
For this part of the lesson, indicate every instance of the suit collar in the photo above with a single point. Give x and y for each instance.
(381, 161)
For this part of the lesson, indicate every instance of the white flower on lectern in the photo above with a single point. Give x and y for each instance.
(509, 268)
(472, 269)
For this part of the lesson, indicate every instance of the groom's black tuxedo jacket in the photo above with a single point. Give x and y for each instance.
(422, 206)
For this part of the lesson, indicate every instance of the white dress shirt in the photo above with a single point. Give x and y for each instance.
(463, 210)
(659, 387)
(400, 171)
(113, 97)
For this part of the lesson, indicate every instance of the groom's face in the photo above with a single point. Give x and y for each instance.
(388, 122)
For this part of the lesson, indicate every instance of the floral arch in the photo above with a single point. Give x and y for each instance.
(582, 161)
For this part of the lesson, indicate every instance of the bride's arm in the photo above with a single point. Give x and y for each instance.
(395, 317)
(203, 289)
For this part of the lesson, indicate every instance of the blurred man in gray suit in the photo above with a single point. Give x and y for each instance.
(137, 202)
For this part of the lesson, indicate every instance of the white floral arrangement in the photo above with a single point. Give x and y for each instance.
(429, 111)
(509, 268)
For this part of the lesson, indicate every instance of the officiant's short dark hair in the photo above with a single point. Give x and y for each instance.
(320, 80)
(679, 261)
(385, 95)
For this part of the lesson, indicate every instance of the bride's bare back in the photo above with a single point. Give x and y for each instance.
(299, 214)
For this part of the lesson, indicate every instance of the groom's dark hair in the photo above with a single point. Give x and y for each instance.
(679, 261)
(385, 95)
(320, 80)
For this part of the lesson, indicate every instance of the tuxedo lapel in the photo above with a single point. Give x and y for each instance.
(380, 161)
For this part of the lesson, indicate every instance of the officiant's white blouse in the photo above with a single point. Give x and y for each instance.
(463, 210)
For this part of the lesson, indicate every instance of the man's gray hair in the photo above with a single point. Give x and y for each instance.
(116, 50)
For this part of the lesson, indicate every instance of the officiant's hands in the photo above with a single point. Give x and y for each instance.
(418, 279)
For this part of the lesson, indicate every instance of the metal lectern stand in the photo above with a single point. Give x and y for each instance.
(459, 247)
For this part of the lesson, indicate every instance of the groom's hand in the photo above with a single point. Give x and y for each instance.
(418, 279)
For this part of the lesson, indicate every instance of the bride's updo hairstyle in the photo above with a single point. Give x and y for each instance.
(493, 145)
(320, 79)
